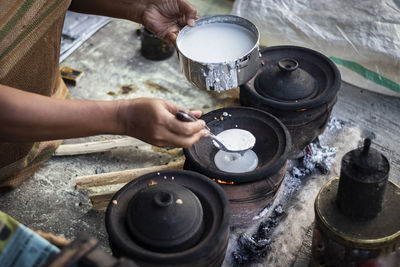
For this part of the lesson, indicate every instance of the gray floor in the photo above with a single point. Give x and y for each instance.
(379, 115)
(110, 59)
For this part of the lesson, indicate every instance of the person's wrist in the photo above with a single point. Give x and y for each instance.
(120, 111)
(109, 117)
(136, 13)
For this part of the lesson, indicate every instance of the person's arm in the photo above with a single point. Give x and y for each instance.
(122, 9)
(26, 117)
(162, 17)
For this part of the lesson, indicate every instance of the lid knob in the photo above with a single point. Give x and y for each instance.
(362, 183)
(163, 199)
(288, 64)
(165, 217)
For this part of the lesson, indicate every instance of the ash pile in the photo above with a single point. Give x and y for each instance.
(286, 221)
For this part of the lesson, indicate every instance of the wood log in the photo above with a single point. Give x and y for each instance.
(96, 147)
(119, 177)
(100, 200)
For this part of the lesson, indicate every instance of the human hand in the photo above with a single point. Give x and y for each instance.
(165, 18)
(153, 121)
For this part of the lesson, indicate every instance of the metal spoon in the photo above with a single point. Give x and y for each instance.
(183, 116)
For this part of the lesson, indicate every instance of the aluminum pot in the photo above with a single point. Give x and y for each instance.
(222, 75)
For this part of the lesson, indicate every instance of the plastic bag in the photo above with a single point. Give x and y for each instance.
(20, 246)
(361, 37)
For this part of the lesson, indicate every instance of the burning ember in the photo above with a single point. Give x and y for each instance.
(222, 182)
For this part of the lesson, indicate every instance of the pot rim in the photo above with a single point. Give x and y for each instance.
(216, 235)
(326, 96)
(203, 20)
(259, 173)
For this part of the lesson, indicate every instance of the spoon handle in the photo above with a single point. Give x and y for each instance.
(183, 116)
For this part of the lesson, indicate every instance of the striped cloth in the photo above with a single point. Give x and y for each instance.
(30, 34)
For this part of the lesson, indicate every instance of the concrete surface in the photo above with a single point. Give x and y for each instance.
(111, 59)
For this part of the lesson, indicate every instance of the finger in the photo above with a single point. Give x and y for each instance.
(196, 113)
(191, 22)
(189, 11)
(171, 37)
(185, 128)
(175, 140)
(189, 141)
(172, 108)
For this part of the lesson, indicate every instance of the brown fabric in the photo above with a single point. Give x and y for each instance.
(30, 34)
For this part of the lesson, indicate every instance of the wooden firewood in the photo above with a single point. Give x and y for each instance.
(119, 177)
(100, 200)
(96, 147)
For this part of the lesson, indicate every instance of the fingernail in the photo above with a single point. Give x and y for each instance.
(203, 123)
(196, 113)
(205, 133)
(191, 22)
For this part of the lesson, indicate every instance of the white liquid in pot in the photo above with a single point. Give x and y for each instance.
(236, 139)
(217, 42)
(236, 163)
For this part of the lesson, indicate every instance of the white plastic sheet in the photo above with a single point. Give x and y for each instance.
(77, 29)
(361, 37)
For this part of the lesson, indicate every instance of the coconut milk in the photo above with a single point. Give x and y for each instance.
(217, 42)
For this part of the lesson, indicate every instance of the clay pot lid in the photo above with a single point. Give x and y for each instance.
(294, 78)
(366, 164)
(286, 81)
(216, 215)
(165, 217)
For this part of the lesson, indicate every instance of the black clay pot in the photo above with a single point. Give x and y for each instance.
(357, 215)
(170, 218)
(154, 48)
(363, 178)
(299, 86)
(249, 192)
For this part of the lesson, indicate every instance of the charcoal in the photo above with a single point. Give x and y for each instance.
(315, 158)
(279, 210)
(98, 170)
(335, 124)
(250, 250)
(254, 248)
(322, 167)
